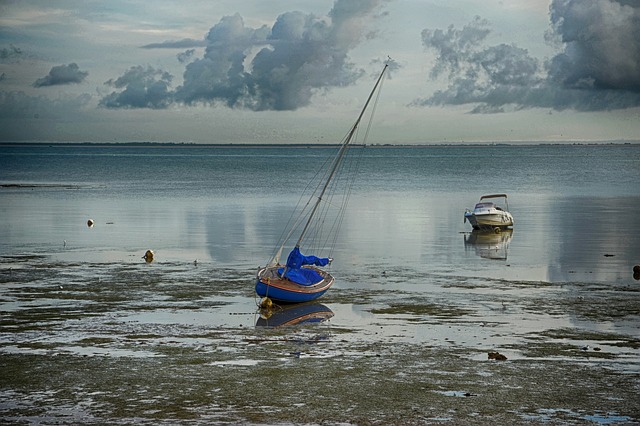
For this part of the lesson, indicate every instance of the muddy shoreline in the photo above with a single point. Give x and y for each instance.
(175, 343)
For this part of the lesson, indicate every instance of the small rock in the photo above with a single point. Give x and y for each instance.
(497, 356)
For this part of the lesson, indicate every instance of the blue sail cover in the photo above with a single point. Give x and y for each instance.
(304, 276)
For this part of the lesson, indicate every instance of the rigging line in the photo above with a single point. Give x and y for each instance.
(347, 196)
(337, 190)
(341, 153)
(298, 213)
(345, 182)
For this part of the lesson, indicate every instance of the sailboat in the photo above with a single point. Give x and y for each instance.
(302, 278)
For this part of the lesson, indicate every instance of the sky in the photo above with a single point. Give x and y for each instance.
(299, 71)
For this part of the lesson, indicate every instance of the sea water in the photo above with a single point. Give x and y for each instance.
(91, 333)
(575, 207)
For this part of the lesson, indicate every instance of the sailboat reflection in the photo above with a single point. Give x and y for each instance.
(280, 316)
(489, 244)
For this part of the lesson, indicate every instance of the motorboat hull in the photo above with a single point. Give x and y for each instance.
(270, 284)
(501, 220)
(488, 215)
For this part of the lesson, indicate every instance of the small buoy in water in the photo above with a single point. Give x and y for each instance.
(148, 256)
(90, 223)
(266, 303)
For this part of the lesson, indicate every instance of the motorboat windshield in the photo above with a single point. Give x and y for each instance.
(485, 205)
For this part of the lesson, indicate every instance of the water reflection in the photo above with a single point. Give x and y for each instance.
(489, 244)
(294, 315)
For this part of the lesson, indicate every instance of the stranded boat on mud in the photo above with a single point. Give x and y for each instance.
(300, 279)
(490, 214)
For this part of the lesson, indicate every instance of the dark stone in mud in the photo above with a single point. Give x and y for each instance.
(497, 356)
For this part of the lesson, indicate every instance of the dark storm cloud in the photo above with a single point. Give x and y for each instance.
(141, 88)
(62, 74)
(274, 68)
(602, 44)
(597, 69)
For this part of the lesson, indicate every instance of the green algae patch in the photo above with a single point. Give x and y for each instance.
(422, 310)
(569, 342)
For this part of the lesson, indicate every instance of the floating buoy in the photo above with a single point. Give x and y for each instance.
(266, 303)
(148, 256)
(636, 272)
(90, 223)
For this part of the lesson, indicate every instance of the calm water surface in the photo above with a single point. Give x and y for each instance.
(576, 207)
(90, 333)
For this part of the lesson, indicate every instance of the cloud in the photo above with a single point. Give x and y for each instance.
(178, 44)
(273, 68)
(392, 63)
(184, 57)
(602, 44)
(18, 105)
(62, 74)
(10, 54)
(142, 88)
(598, 67)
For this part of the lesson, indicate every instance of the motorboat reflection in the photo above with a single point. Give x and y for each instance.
(489, 244)
(295, 314)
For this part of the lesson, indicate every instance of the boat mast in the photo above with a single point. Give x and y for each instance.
(339, 157)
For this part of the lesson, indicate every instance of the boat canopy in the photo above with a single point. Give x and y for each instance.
(304, 276)
(494, 196)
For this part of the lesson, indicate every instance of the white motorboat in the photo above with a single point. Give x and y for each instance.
(491, 212)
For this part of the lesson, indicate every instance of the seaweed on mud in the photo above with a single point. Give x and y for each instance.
(567, 342)
(610, 339)
(422, 310)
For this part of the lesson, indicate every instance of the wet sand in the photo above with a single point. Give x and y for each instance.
(172, 342)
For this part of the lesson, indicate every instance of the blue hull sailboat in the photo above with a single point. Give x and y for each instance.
(302, 278)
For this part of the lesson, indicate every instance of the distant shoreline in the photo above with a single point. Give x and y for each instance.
(303, 145)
